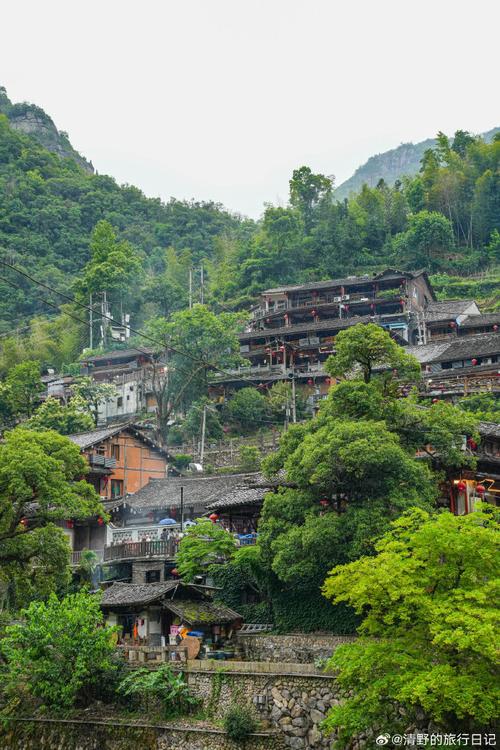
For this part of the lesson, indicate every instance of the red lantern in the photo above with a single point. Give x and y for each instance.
(461, 486)
(372, 306)
(100, 521)
(282, 348)
(313, 312)
(268, 320)
(70, 523)
(474, 361)
(24, 522)
(495, 327)
(174, 572)
(328, 381)
(310, 381)
(324, 502)
(472, 444)
(453, 324)
(213, 517)
(480, 489)
(435, 401)
(346, 307)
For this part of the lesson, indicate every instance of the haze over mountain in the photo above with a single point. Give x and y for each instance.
(392, 165)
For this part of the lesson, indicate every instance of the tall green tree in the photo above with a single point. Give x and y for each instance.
(25, 387)
(366, 347)
(92, 394)
(66, 419)
(203, 545)
(60, 654)
(40, 485)
(429, 630)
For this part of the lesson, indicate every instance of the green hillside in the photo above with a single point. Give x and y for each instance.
(49, 206)
(392, 165)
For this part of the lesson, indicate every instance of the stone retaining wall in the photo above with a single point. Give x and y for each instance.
(68, 735)
(293, 703)
(302, 648)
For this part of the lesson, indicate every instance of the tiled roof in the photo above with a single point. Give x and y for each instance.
(238, 497)
(467, 347)
(119, 354)
(201, 613)
(447, 309)
(87, 439)
(489, 429)
(477, 321)
(389, 273)
(94, 437)
(124, 594)
(163, 493)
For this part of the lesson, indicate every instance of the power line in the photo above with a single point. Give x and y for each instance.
(102, 315)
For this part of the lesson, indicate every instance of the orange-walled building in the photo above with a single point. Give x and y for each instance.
(121, 459)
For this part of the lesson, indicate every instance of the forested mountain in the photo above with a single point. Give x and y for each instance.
(446, 218)
(34, 121)
(392, 165)
(50, 205)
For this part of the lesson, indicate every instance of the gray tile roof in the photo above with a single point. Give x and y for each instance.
(163, 493)
(201, 613)
(88, 439)
(238, 497)
(446, 309)
(489, 429)
(129, 594)
(456, 349)
(388, 274)
(477, 321)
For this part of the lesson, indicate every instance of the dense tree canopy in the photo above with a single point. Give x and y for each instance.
(40, 484)
(429, 628)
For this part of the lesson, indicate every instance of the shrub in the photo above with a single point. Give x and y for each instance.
(250, 458)
(162, 685)
(60, 653)
(182, 460)
(239, 722)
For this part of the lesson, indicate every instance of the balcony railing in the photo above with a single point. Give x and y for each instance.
(335, 299)
(161, 548)
(106, 462)
(275, 370)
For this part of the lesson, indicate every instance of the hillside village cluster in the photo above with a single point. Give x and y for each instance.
(291, 334)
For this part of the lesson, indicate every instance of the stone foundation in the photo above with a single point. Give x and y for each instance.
(69, 735)
(294, 704)
(299, 649)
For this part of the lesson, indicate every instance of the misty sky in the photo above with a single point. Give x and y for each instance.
(222, 99)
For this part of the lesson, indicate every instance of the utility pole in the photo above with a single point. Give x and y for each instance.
(190, 288)
(104, 318)
(202, 282)
(91, 324)
(182, 509)
(294, 401)
(203, 430)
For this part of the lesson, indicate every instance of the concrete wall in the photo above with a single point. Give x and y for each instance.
(299, 649)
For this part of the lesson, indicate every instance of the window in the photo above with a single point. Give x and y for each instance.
(152, 576)
(119, 401)
(116, 487)
(100, 450)
(115, 451)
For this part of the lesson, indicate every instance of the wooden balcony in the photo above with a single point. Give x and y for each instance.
(156, 549)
